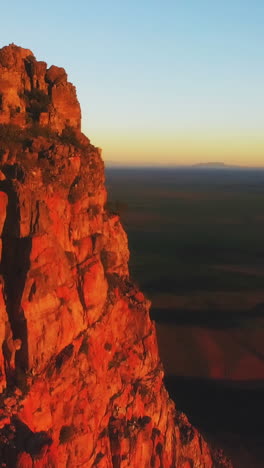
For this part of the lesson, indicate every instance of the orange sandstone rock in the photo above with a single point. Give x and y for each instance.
(85, 387)
(31, 93)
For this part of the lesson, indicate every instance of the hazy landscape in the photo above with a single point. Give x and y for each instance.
(196, 243)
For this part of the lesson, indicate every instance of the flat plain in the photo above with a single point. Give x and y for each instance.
(196, 238)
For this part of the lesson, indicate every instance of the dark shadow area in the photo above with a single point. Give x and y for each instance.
(18, 438)
(14, 268)
(216, 319)
(229, 415)
(220, 405)
(29, 441)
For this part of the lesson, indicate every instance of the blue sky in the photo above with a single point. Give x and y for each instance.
(158, 81)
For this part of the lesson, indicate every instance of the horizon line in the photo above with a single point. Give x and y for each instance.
(213, 166)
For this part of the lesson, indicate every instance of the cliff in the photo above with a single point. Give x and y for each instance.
(30, 92)
(80, 376)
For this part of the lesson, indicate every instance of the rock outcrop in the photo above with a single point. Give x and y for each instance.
(32, 93)
(80, 376)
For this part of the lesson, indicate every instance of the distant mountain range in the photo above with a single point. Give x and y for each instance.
(203, 165)
(214, 165)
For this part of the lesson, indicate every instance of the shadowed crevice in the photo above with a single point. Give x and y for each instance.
(21, 439)
(14, 267)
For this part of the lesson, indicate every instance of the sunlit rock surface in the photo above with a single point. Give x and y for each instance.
(80, 374)
(30, 92)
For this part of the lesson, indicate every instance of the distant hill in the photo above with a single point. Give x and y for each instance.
(203, 165)
(213, 165)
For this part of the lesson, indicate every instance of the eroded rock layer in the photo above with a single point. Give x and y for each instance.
(30, 92)
(80, 376)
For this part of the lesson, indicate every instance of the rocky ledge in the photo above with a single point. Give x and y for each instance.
(80, 376)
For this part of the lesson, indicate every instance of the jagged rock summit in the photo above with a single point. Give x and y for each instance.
(80, 376)
(32, 93)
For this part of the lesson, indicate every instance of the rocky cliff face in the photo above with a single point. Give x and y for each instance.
(80, 376)
(32, 93)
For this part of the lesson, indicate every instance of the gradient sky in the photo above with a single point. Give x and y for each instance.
(159, 82)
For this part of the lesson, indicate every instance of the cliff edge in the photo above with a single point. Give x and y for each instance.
(80, 376)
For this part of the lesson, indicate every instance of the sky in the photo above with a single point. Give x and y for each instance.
(159, 82)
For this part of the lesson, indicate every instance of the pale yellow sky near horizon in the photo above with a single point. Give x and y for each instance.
(158, 82)
(179, 148)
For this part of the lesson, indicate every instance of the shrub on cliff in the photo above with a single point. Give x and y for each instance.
(10, 133)
(69, 137)
(37, 130)
(11, 137)
(37, 102)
